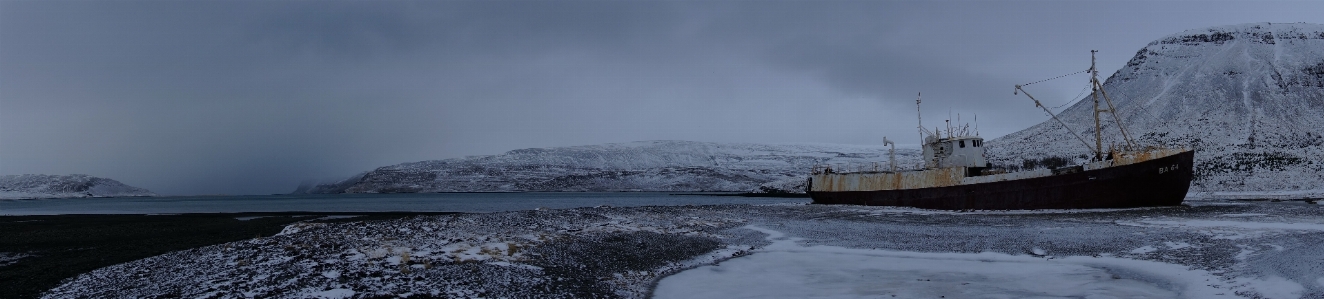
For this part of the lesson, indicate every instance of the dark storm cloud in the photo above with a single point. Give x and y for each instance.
(247, 97)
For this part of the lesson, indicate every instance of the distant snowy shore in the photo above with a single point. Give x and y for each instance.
(1211, 249)
(35, 186)
(657, 166)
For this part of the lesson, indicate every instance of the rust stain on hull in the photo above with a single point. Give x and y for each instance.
(888, 180)
(1142, 156)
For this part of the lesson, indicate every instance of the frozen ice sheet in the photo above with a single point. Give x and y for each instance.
(788, 270)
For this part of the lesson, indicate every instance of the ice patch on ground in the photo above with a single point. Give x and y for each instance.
(786, 269)
(1213, 203)
(1280, 194)
(1239, 224)
(334, 294)
(1272, 287)
(881, 210)
(1177, 245)
(1230, 230)
(1245, 253)
(1144, 249)
(1245, 215)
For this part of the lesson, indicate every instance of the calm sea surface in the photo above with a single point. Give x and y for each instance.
(432, 202)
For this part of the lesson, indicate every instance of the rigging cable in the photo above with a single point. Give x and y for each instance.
(1078, 97)
(1141, 109)
(1053, 78)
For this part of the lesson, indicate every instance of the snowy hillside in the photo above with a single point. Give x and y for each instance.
(28, 186)
(1249, 98)
(635, 166)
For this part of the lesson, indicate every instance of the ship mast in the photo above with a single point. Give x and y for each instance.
(1098, 90)
(920, 117)
(1098, 130)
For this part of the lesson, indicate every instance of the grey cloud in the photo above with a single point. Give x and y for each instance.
(250, 97)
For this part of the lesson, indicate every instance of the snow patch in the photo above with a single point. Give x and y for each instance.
(509, 264)
(1245, 253)
(298, 227)
(1178, 245)
(881, 210)
(334, 294)
(1238, 224)
(1229, 230)
(1245, 215)
(1144, 249)
(1271, 194)
(1272, 287)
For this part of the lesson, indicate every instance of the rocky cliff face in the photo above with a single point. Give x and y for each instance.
(1249, 98)
(30, 186)
(635, 166)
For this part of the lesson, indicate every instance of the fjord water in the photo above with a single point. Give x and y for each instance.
(425, 202)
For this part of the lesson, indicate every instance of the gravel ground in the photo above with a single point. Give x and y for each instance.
(610, 252)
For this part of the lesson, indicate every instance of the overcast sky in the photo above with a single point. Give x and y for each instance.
(252, 97)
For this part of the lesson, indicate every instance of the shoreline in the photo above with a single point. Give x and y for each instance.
(681, 193)
(625, 251)
(747, 194)
(53, 248)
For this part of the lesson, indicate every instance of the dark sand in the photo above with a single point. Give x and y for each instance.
(64, 246)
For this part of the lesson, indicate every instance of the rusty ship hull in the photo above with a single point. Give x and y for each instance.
(1161, 181)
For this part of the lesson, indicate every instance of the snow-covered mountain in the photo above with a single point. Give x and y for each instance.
(29, 186)
(1249, 98)
(634, 166)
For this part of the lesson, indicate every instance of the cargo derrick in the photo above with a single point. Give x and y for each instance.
(957, 176)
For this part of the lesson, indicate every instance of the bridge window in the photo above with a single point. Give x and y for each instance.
(962, 143)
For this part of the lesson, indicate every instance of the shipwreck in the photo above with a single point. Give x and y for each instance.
(956, 175)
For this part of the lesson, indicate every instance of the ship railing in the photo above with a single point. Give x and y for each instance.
(859, 167)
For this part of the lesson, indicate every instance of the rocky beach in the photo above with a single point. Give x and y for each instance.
(1204, 249)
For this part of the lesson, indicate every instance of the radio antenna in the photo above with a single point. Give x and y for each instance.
(976, 124)
(920, 116)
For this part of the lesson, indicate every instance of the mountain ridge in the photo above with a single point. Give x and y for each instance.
(662, 165)
(38, 186)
